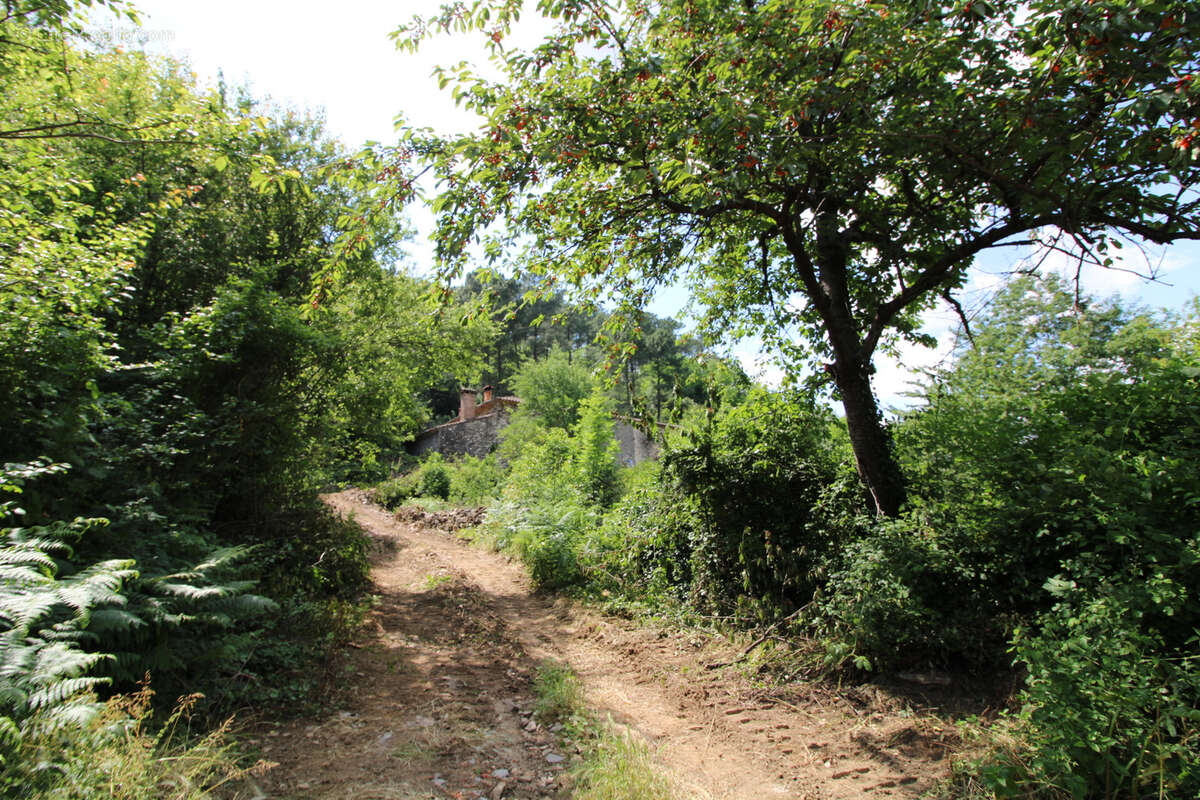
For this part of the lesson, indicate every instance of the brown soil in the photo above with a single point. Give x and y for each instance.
(441, 702)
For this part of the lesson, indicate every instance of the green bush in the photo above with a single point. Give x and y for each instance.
(545, 535)
(1059, 462)
(594, 460)
(645, 547)
(476, 481)
(903, 597)
(777, 497)
(1111, 708)
(1063, 433)
(392, 492)
(434, 477)
(543, 515)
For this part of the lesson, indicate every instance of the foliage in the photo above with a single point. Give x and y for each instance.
(434, 478)
(534, 318)
(172, 409)
(392, 492)
(1110, 706)
(776, 499)
(120, 754)
(542, 514)
(476, 481)
(646, 546)
(1071, 431)
(1056, 469)
(464, 480)
(553, 389)
(821, 172)
(902, 597)
(596, 451)
(45, 671)
(385, 337)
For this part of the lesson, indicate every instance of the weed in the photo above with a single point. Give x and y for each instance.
(618, 766)
(435, 579)
(559, 693)
(120, 756)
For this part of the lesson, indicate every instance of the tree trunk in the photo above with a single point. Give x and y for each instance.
(869, 438)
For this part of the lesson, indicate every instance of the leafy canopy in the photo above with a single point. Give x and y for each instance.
(802, 161)
(821, 172)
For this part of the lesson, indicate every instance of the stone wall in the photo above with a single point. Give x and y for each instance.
(636, 446)
(476, 437)
(472, 437)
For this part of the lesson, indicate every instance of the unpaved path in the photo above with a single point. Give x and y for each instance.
(443, 698)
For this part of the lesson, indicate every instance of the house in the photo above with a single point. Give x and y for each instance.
(474, 432)
(476, 429)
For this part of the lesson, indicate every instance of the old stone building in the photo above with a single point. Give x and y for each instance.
(476, 429)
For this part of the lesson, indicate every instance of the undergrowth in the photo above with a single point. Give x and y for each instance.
(121, 753)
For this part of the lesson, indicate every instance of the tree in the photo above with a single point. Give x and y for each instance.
(822, 172)
(553, 389)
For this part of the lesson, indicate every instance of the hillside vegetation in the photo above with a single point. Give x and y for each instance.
(206, 319)
(173, 398)
(1055, 494)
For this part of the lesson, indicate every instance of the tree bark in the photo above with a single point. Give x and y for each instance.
(828, 290)
(873, 457)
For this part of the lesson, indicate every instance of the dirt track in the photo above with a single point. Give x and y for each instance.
(442, 700)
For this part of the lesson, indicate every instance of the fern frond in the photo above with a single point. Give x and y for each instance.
(246, 605)
(58, 661)
(190, 592)
(221, 558)
(28, 556)
(10, 734)
(107, 621)
(32, 607)
(58, 694)
(23, 575)
(77, 714)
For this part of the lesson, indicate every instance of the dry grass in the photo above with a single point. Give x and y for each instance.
(118, 755)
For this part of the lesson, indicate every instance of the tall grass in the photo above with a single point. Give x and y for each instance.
(122, 755)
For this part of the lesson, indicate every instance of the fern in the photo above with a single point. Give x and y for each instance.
(44, 616)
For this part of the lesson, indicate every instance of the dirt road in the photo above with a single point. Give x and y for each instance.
(441, 705)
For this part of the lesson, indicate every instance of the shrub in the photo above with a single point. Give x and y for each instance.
(645, 546)
(1110, 706)
(902, 596)
(434, 479)
(476, 481)
(777, 497)
(595, 457)
(394, 491)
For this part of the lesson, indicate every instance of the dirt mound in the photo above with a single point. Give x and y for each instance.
(451, 520)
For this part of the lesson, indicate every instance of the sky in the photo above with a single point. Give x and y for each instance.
(338, 59)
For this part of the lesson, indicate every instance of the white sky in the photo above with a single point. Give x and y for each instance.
(338, 57)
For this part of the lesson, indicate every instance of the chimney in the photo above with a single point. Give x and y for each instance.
(466, 403)
(487, 394)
